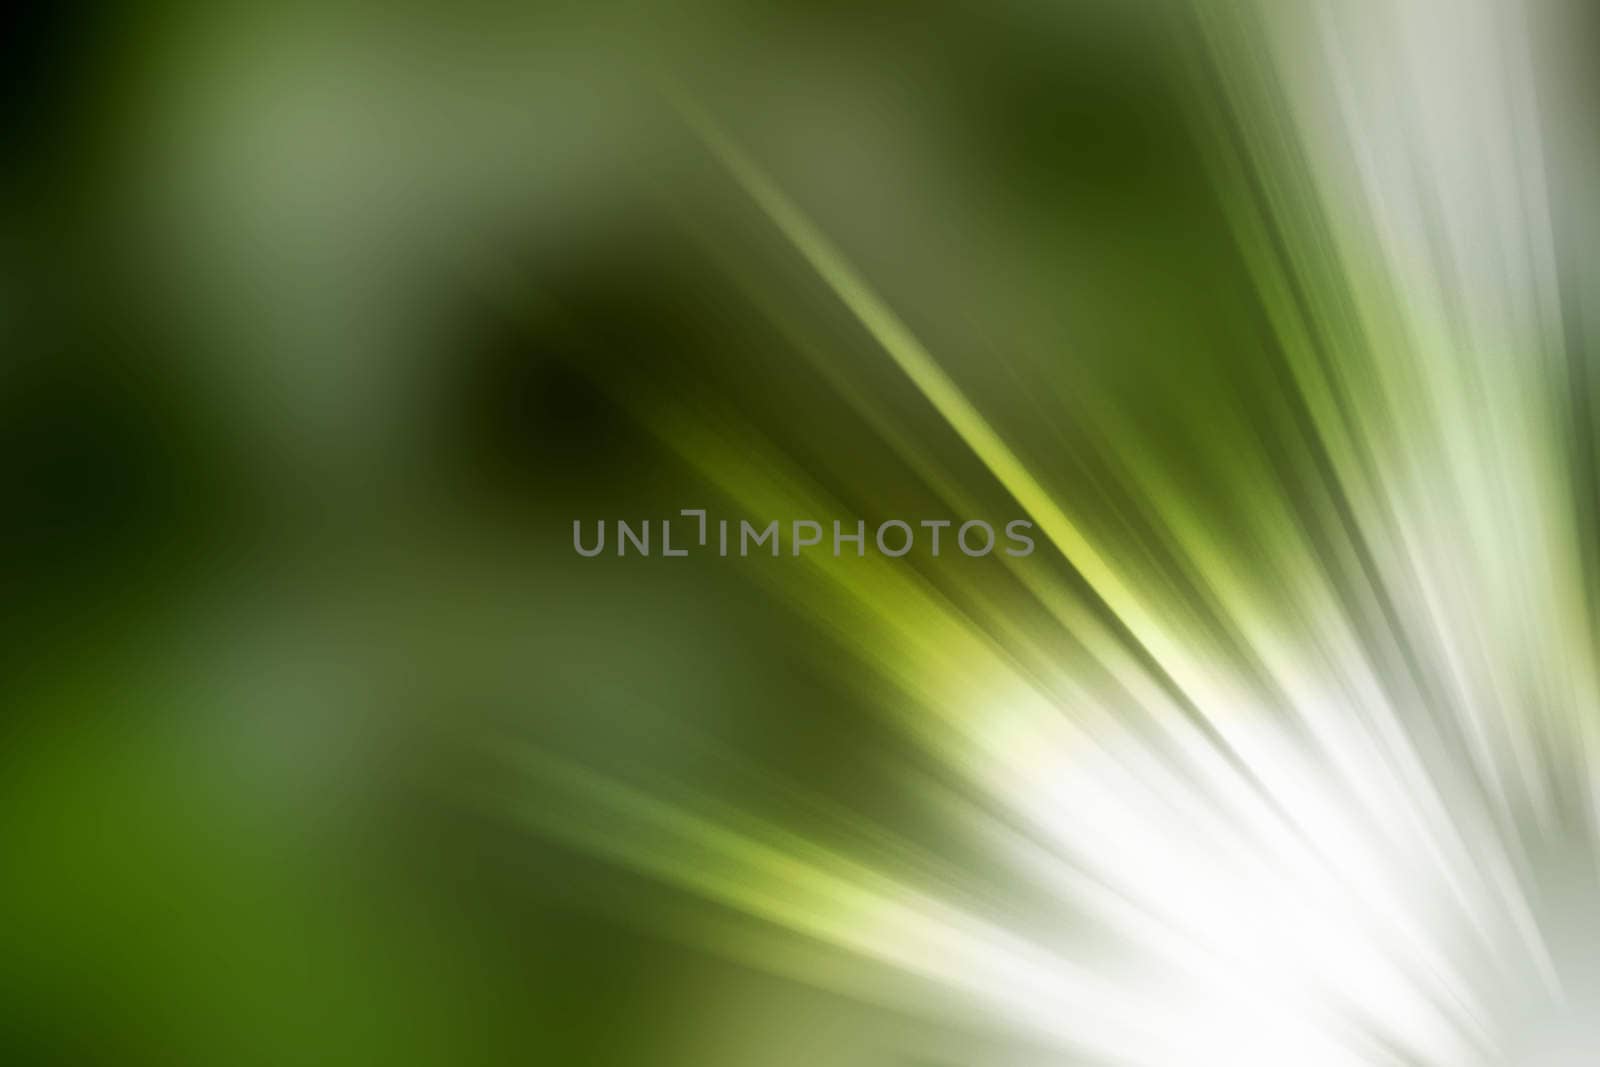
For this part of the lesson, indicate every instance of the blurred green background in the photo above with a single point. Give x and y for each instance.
(325, 321)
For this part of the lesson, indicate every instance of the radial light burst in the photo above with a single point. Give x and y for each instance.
(1327, 797)
(1270, 323)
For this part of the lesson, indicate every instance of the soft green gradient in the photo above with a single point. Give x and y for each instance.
(325, 323)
